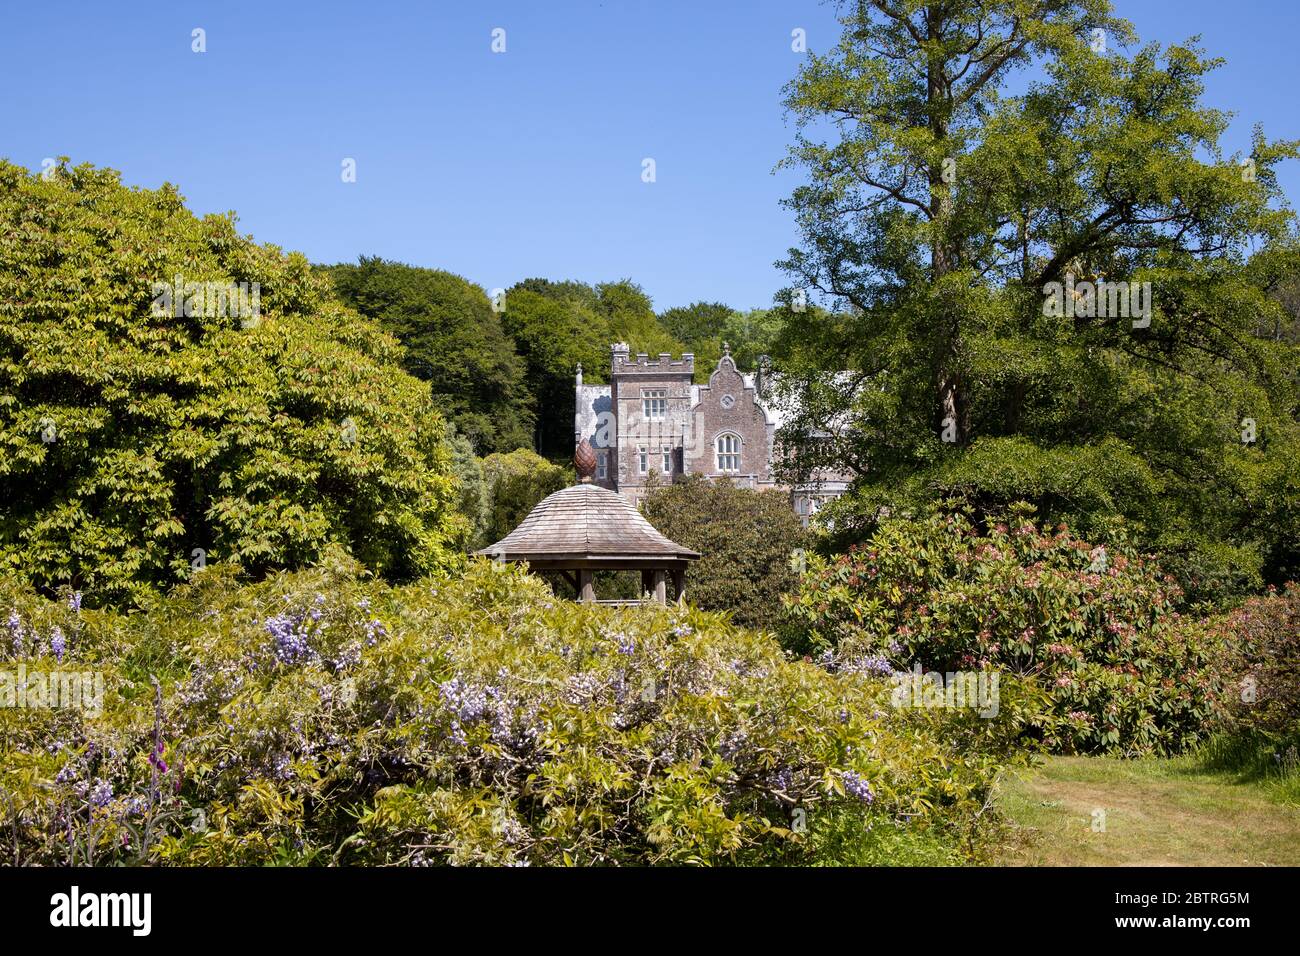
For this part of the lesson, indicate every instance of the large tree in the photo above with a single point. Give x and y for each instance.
(940, 207)
(454, 341)
(555, 335)
(148, 427)
(705, 327)
(559, 325)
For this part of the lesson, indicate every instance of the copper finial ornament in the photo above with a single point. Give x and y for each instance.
(584, 461)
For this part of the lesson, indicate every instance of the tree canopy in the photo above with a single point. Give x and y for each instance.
(941, 208)
(153, 418)
(453, 340)
(705, 327)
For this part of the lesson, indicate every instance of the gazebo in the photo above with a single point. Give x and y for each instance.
(585, 528)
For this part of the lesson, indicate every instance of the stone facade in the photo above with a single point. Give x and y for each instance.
(652, 424)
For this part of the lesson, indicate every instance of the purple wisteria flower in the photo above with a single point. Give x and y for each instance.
(782, 780)
(511, 723)
(856, 787)
(732, 743)
(626, 644)
(290, 637)
(465, 700)
(74, 602)
(374, 631)
(58, 644)
(101, 793)
(682, 630)
(581, 687)
(875, 664)
(15, 625)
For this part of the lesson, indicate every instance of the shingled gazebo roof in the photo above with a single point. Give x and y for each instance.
(592, 526)
(584, 529)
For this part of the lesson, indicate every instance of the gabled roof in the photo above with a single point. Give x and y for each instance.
(586, 522)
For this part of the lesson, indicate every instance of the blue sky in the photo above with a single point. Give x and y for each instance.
(497, 166)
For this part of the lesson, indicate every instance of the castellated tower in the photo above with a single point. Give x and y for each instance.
(651, 402)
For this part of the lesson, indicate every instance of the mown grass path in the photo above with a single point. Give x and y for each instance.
(1156, 813)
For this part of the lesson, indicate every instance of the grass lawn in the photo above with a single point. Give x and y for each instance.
(1171, 812)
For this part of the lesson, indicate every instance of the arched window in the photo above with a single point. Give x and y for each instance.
(728, 446)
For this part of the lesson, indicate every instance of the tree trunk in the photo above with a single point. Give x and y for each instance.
(954, 418)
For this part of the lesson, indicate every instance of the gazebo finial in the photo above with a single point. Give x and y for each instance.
(584, 462)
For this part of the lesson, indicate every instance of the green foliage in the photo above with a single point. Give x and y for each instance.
(324, 717)
(1096, 627)
(555, 336)
(453, 340)
(515, 484)
(474, 504)
(632, 319)
(749, 541)
(937, 214)
(132, 438)
(1264, 635)
(559, 325)
(705, 326)
(696, 323)
(701, 326)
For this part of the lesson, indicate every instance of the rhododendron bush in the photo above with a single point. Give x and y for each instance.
(1097, 627)
(324, 717)
(1264, 634)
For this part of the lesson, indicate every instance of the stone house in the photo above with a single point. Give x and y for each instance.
(652, 424)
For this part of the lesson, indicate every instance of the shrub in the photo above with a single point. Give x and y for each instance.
(323, 716)
(747, 539)
(474, 498)
(1096, 626)
(1264, 635)
(516, 482)
(136, 443)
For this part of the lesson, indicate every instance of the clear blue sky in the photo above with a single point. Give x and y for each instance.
(497, 166)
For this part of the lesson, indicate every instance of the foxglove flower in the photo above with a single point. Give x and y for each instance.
(156, 758)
